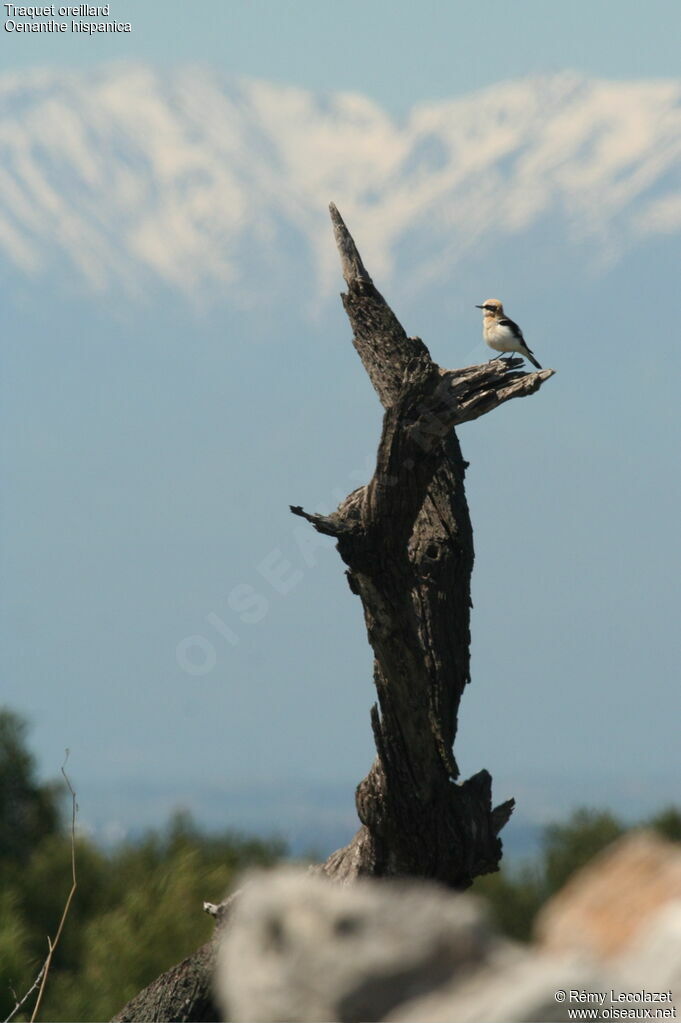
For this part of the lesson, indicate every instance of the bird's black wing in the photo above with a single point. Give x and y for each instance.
(513, 327)
(518, 335)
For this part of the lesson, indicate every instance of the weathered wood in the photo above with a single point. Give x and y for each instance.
(184, 994)
(407, 540)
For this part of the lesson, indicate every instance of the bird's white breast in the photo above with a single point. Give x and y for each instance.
(500, 338)
(499, 333)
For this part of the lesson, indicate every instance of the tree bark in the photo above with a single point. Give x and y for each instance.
(407, 541)
(183, 994)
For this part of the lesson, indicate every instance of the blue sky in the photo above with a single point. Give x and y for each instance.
(149, 484)
(399, 53)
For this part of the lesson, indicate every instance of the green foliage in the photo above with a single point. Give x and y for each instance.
(667, 823)
(154, 920)
(514, 897)
(517, 894)
(28, 811)
(18, 967)
(136, 912)
(568, 847)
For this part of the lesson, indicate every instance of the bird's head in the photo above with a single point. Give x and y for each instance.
(491, 307)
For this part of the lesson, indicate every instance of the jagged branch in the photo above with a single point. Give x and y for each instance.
(380, 338)
(431, 404)
(352, 267)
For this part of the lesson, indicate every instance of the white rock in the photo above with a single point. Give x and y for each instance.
(300, 948)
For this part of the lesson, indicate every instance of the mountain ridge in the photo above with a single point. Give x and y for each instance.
(128, 176)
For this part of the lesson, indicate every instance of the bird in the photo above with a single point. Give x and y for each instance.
(502, 334)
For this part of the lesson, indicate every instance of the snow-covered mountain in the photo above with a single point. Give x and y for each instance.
(208, 183)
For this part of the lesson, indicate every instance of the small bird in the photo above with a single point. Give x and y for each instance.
(502, 334)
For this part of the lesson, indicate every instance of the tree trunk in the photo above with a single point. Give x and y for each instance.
(407, 541)
(183, 994)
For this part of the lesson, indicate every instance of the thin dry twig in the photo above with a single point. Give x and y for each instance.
(41, 979)
(53, 944)
(26, 997)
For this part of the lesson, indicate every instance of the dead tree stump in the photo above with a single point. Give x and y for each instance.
(407, 541)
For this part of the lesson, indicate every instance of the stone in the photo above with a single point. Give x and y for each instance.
(653, 958)
(298, 947)
(516, 986)
(607, 903)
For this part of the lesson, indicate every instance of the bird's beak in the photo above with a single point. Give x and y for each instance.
(479, 307)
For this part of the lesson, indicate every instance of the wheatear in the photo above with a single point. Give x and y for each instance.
(502, 334)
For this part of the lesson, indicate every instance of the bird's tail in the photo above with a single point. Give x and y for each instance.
(531, 357)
